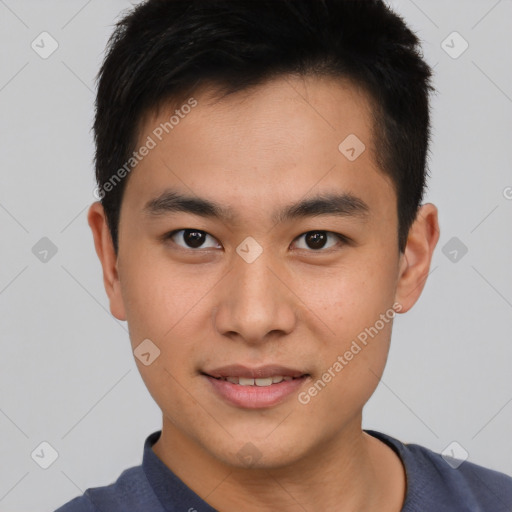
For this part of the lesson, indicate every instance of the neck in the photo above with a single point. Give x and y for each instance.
(351, 471)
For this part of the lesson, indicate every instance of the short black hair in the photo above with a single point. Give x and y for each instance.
(164, 50)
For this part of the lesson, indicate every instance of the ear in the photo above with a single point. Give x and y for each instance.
(415, 260)
(108, 258)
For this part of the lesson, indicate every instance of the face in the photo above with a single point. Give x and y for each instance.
(248, 237)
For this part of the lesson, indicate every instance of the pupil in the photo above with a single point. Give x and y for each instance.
(194, 238)
(316, 239)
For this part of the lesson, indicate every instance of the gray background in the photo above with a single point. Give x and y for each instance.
(67, 375)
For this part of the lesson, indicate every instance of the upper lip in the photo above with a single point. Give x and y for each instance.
(237, 370)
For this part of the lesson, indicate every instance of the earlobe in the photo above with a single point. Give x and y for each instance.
(105, 250)
(415, 261)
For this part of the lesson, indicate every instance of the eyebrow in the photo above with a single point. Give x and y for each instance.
(342, 205)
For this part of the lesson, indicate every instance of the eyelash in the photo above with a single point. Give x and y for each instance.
(341, 238)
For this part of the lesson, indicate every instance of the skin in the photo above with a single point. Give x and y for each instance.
(255, 152)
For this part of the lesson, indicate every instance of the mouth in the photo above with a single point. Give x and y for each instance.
(262, 381)
(252, 388)
(259, 376)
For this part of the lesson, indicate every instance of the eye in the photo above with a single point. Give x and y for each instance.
(317, 240)
(191, 239)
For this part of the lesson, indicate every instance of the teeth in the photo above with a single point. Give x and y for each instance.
(266, 381)
(263, 382)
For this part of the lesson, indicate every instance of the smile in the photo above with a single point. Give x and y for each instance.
(267, 381)
(255, 393)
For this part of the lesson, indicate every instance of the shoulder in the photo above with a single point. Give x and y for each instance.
(437, 483)
(130, 490)
(468, 485)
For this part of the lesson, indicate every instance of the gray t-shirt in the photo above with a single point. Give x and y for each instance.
(433, 485)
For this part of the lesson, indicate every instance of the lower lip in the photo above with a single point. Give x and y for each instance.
(255, 397)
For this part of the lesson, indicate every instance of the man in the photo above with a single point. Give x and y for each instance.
(261, 167)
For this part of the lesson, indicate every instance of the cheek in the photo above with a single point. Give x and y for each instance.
(159, 302)
(156, 294)
(354, 297)
(352, 368)
(364, 323)
(352, 307)
(168, 305)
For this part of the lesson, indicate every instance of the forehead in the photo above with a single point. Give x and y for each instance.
(283, 139)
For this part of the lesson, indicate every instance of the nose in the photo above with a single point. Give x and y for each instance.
(256, 303)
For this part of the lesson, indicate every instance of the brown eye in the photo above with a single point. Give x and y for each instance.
(317, 240)
(192, 239)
